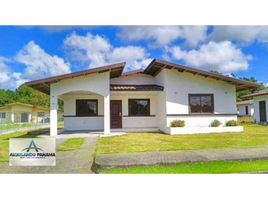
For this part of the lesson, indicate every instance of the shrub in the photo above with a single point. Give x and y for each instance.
(215, 123)
(177, 123)
(231, 123)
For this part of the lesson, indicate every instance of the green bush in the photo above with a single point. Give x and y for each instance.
(215, 123)
(177, 123)
(231, 123)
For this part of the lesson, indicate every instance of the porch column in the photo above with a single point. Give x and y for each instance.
(107, 114)
(12, 117)
(53, 115)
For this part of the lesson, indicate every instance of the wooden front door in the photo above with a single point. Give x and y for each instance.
(262, 111)
(116, 113)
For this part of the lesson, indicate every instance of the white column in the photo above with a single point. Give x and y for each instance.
(12, 117)
(53, 115)
(107, 114)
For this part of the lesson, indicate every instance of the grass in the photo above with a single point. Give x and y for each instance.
(71, 144)
(15, 125)
(253, 135)
(212, 167)
(4, 143)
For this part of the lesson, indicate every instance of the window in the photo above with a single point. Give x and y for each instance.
(86, 107)
(40, 114)
(139, 107)
(246, 110)
(2, 115)
(201, 103)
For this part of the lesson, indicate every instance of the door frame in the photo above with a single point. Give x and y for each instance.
(265, 111)
(111, 118)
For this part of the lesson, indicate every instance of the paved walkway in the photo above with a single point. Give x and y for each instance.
(76, 161)
(171, 157)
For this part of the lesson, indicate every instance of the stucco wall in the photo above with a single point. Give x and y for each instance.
(134, 79)
(179, 85)
(71, 122)
(138, 122)
(256, 107)
(242, 109)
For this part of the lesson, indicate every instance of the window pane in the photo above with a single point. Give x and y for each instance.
(201, 103)
(195, 106)
(86, 107)
(139, 107)
(206, 103)
(92, 107)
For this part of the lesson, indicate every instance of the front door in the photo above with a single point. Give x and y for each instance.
(262, 108)
(116, 113)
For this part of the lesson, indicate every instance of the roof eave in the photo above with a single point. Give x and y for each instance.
(240, 84)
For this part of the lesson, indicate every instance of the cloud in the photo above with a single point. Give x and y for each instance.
(97, 51)
(240, 33)
(40, 64)
(223, 56)
(8, 78)
(164, 35)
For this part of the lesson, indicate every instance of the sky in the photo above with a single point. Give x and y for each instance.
(35, 52)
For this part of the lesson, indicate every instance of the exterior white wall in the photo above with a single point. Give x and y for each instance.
(179, 85)
(138, 122)
(134, 79)
(98, 83)
(256, 107)
(71, 122)
(242, 109)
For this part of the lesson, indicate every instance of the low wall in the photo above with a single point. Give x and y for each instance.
(201, 120)
(140, 122)
(195, 130)
(83, 123)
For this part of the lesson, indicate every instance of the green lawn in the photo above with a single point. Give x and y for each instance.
(71, 144)
(4, 143)
(212, 167)
(15, 125)
(254, 135)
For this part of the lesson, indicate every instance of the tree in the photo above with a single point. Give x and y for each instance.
(242, 93)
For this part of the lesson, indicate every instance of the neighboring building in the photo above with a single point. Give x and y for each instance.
(104, 98)
(23, 113)
(245, 108)
(260, 102)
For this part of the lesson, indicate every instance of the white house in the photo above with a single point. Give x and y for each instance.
(260, 103)
(23, 113)
(245, 108)
(106, 99)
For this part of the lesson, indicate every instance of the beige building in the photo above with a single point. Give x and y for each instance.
(23, 113)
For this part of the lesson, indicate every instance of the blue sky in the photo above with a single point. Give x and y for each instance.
(29, 53)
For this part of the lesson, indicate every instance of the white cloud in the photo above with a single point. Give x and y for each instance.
(97, 51)
(224, 57)
(164, 35)
(40, 64)
(240, 33)
(8, 78)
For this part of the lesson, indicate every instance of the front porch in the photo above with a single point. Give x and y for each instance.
(87, 112)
